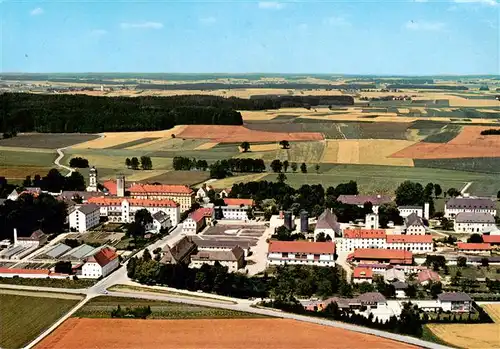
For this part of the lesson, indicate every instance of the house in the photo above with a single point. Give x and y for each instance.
(360, 200)
(301, 252)
(414, 225)
(161, 220)
(181, 194)
(474, 222)
(37, 238)
(405, 211)
(361, 238)
(393, 274)
(381, 256)
(362, 274)
(233, 259)
(372, 221)
(101, 264)
(236, 209)
(180, 252)
(455, 206)
(327, 224)
(372, 300)
(224, 193)
(222, 245)
(493, 240)
(424, 277)
(84, 217)
(197, 220)
(457, 302)
(475, 248)
(414, 243)
(400, 288)
(202, 193)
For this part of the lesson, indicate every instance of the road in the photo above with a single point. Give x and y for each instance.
(467, 185)
(59, 158)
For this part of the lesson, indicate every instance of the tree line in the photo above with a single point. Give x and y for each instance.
(78, 162)
(220, 168)
(131, 312)
(491, 131)
(145, 163)
(55, 182)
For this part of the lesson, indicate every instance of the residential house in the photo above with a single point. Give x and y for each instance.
(301, 252)
(233, 259)
(418, 244)
(361, 238)
(161, 220)
(84, 217)
(360, 200)
(101, 264)
(457, 302)
(474, 248)
(400, 288)
(372, 300)
(362, 274)
(202, 193)
(381, 256)
(474, 222)
(180, 252)
(455, 206)
(427, 276)
(197, 220)
(236, 209)
(327, 224)
(414, 225)
(181, 194)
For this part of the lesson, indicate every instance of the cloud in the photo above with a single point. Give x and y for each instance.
(484, 2)
(37, 11)
(337, 21)
(424, 26)
(98, 32)
(142, 25)
(271, 5)
(208, 20)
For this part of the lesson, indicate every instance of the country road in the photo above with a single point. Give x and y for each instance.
(59, 158)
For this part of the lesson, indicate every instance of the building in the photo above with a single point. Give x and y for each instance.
(414, 225)
(197, 220)
(474, 222)
(202, 193)
(92, 180)
(327, 224)
(37, 238)
(236, 209)
(405, 211)
(381, 256)
(84, 217)
(466, 204)
(102, 263)
(393, 274)
(400, 288)
(54, 252)
(426, 276)
(457, 302)
(233, 259)
(180, 252)
(361, 238)
(372, 300)
(474, 248)
(362, 274)
(76, 195)
(414, 243)
(222, 245)
(161, 220)
(78, 253)
(371, 221)
(13, 196)
(181, 194)
(301, 252)
(493, 240)
(30, 273)
(360, 200)
(122, 210)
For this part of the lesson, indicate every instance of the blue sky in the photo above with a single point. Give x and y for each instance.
(411, 37)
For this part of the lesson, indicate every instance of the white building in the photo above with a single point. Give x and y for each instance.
(233, 259)
(197, 220)
(371, 221)
(414, 225)
(100, 264)
(400, 288)
(236, 209)
(467, 204)
(361, 238)
(84, 217)
(474, 222)
(474, 248)
(457, 302)
(181, 194)
(301, 252)
(202, 193)
(122, 210)
(414, 243)
(327, 224)
(161, 220)
(405, 211)
(92, 180)
(36, 239)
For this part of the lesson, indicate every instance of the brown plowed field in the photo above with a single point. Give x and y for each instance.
(78, 333)
(468, 144)
(237, 134)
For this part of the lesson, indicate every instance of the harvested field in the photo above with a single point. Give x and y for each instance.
(185, 334)
(46, 140)
(235, 134)
(133, 143)
(264, 147)
(142, 175)
(180, 177)
(169, 144)
(229, 181)
(493, 311)
(470, 336)
(205, 146)
(22, 172)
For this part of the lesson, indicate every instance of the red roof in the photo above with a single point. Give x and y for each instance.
(301, 247)
(473, 246)
(110, 186)
(116, 201)
(200, 213)
(364, 233)
(23, 271)
(238, 202)
(138, 189)
(103, 257)
(363, 273)
(409, 238)
(491, 239)
(428, 275)
(382, 253)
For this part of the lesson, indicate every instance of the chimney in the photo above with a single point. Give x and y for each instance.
(15, 237)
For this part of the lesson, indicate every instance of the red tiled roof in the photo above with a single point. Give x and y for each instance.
(473, 246)
(491, 239)
(363, 273)
(364, 233)
(138, 189)
(23, 271)
(200, 213)
(110, 186)
(302, 247)
(409, 238)
(426, 275)
(382, 253)
(238, 202)
(103, 257)
(116, 201)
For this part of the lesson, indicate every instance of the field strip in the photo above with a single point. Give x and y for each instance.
(348, 152)
(470, 336)
(145, 174)
(40, 294)
(493, 311)
(28, 150)
(207, 145)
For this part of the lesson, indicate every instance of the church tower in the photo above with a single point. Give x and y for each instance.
(92, 179)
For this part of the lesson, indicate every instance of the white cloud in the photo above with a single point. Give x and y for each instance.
(98, 32)
(424, 26)
(485, 2)
(142, 25)
(337, 21)
(208, 20)
(273, 5)
(37, 11)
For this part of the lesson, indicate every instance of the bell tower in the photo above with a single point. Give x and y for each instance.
(92, 179)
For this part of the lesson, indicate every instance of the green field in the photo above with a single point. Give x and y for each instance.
(100, 307)
(57, 283)
(23, 318)
(42, 158)
(485, 165)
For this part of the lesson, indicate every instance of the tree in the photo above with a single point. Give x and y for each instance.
(281, 177)
(461, 262)
(409, 193)
(389, 213)
(134, 163)
(321, 237)
(368, 207)
(143, 217)
(435, 289)
(485, 262)
(294, 167)
(285, 165)
(452, 192)
(303, 167)
(27, 182)
(276, 165)
(53, 181)
(202, 165)
(63, 267)
(284, 144)
(365, 287)
(74, 182)
(498, 195)
(146, 163)
(437, 190)
(316, 167)
(428, 190)
(475, 238)
(245, 146)
(128, 163)
(78, 162)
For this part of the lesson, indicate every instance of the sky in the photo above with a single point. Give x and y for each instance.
(382, 37)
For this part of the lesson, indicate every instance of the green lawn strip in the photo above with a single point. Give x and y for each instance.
(429, 336)
(27, 158)
(56, 283)
(23, 318)
(101, 307)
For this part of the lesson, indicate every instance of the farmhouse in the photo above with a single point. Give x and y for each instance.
(474, 222)
(180, 252)
(233, 259)
(362, 274)
(197, 220)
(161, 220)
(122, 210)
(466, 204)
(301, 252)
(381, 256)
(414, 225)
(84, 217)
(236, 209)
(181, 194)
(102, 263)
(474, 248)
(361, 238)
(327, 224)
(202, 193)
(457, 302)
(413, 243)
(360, 200)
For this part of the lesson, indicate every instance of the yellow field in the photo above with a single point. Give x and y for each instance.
(228, 182)
(167, 143)
(471, 336)
(208, 145)
(493, 311)
(264, 147)
(365, 151)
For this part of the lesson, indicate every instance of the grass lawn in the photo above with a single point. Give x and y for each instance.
(474, 273)
(181, 177)
(57, 283)
(22, 318)
(100, 307)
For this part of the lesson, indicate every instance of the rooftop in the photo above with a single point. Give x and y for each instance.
(394, 238)
(234, 254)
(138, 189)
(474, 217)
(399, 285)
(301, 247)
(238, 202)
(23, 271)
(160, 216)
(103, 257)
(473, 246)
(371, 297)
(376, 200)
(110, 186)
(88, 208)
(201, 213)
(117, 201)
(414, 219)
(178, 251)
(364, 233)
(454, 297)
(57, 250)
(363, 273)
(384, 254)
(470, 203)
(428, 275)
(491, 239)
(328, 220)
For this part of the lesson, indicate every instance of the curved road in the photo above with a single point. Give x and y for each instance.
(59, 158)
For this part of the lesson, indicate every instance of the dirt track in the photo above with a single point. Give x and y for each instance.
(208, 334)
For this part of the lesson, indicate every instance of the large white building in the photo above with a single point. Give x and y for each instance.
(122, 210)
(301, 252)
(100, 264)
(474, 222)
(84, 217)
(236, 209)
(405, 211)
(361, 238)
(181, 194)
(467, 204)
(414, 243)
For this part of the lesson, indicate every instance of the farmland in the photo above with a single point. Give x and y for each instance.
(217, 333)
(46, 140)
(24, 316)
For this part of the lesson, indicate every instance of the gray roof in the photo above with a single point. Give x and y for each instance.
(410, 207)
(454, 297)
(233, 255)
(78, 252)
(88, 208)
(160, 216)
(328, 220)
(201, 243)
(371, 297)
(12, 250)
(470, 203)
(414, 219)
(398, 285)
(474, 217)
(57, 250)
(179, 251)
(376, 200)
